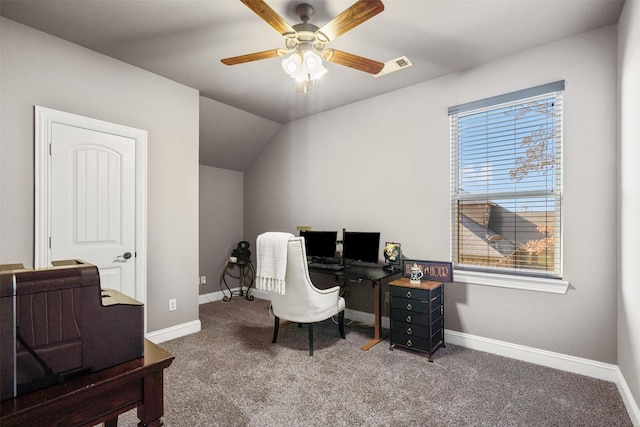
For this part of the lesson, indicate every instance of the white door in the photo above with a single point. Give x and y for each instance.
(91, 193)
(93, 202)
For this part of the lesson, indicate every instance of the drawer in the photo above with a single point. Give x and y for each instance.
(412, 341)
(418, 306)
(410, 329)
(416, 342)
(410, 317)
(408, 341)
(417, 294)
(415, 329)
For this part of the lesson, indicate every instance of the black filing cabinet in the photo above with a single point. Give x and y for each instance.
(417, 315)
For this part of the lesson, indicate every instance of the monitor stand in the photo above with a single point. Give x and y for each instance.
(391, 267)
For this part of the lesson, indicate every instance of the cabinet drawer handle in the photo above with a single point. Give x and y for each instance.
(408, 294)
(408, 319)
(409, 343)
(409, 331)
(409, 307)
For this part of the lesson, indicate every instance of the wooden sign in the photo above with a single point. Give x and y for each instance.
(437, 271)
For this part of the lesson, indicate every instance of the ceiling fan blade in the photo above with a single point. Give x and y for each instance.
(269, 15)
(266, 54)
(354, 61)
(355, 15)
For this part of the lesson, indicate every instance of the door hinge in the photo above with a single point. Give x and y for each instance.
(49, 242)
(50, 148)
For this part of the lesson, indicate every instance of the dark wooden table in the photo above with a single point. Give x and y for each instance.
(99, 397)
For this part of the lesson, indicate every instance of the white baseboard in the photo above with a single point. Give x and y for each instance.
(173, 332)
(564, 362)
(183, 329)
(366, 318)
(218, 295)
(576, 365)
(632, 406)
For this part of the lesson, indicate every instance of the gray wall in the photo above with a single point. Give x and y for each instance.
(629, 197)
(221, 227)
(383, 164)
(38, 69)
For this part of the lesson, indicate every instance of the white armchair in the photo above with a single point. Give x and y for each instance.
(302, 302)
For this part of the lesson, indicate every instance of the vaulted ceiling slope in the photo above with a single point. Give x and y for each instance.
(184, 41)
(231, 138)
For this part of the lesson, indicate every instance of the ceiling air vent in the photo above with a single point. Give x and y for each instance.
(394, 65)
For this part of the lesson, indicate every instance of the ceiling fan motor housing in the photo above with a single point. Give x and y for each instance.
(304, 11)
(305, 34)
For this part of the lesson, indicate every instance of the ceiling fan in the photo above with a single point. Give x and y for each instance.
(307, 43)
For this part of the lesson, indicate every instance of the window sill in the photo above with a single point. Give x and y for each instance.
(553, 286)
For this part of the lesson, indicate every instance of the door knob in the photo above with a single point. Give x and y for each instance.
(125, 255)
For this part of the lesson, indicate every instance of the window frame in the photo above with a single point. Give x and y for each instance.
(495, 276)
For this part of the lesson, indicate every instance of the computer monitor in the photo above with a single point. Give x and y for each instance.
(320, 243)
(361, 246)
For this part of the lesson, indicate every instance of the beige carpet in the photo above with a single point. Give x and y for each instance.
(230, 374)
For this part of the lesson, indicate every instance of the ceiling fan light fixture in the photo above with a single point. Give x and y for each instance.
(304, 68)
(311, 60)
(312, 63)
(292, 64)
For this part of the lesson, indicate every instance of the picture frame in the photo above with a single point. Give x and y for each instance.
(437, 271)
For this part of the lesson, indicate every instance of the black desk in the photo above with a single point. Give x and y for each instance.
(375, 274)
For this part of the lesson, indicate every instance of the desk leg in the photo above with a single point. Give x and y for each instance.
(152, 408)
(377, 313)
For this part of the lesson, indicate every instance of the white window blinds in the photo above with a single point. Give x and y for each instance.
(506, 187)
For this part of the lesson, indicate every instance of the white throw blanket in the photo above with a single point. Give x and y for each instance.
(271, 253)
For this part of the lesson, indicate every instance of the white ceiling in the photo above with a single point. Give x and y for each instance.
(184, 41)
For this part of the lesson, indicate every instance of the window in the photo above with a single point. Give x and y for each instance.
(506, 187)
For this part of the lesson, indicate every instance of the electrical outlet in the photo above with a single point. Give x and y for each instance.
(203, 280)
(172, 304)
